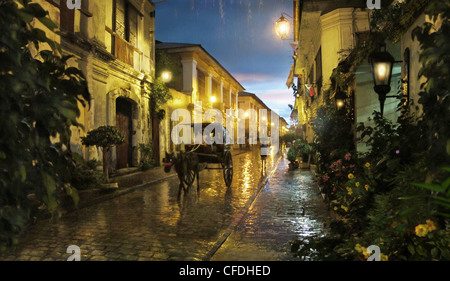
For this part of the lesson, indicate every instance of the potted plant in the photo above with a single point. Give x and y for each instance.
(105, 137)
(305, 151)
(292, 157)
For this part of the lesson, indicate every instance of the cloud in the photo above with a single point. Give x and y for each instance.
(252, 77)
(278, 100)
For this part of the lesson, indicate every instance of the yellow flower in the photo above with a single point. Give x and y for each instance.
(344, 208)
(367, 165)
(357, 184)
(366, 254)
(367, 187)
(351, 176)
(431, 225)
(359, 248)
(384, 257)
(421, 230)
(335, 208)
(350, 191)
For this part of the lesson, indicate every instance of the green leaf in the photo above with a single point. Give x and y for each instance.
(73, 193)
(429, 186)
(49, 183)
(48, 23)
(446, 183)
(23, 173)
(411, 249)
(26, 17)
(36, 10)
(434, 253)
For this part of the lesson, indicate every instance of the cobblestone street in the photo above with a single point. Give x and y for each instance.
(289, 207)
(150, 224)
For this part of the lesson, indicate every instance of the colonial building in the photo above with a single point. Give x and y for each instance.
(327, 35)
(252, 105)
(112, 42)
(203, 79)
(328, 31)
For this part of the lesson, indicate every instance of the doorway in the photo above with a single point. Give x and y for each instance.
(124, 124)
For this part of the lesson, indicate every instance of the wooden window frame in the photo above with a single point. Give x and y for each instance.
(122, 49)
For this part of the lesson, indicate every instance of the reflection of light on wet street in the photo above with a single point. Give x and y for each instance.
(150, 223)
(288, 208)
(246, 174)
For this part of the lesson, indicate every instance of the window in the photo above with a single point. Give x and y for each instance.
(132, 30)
(67, 18)
(216, 90)
(201, 79)
(233, 100)
(125, 21)
(318, 63)
(226, 97)
(125, 28)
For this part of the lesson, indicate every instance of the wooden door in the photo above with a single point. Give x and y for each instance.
(123, 123)
(155, 141)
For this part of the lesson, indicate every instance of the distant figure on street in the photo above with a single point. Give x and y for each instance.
(263, 149)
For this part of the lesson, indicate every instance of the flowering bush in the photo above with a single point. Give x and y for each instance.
(407, 221)
(347, 183)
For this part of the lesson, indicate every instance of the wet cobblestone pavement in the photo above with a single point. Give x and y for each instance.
(150, 224)
(289, 207)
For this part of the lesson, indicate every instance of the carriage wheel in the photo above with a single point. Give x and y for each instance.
(228, 168)
(188, 172)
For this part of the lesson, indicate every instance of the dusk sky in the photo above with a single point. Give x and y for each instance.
(240, 35)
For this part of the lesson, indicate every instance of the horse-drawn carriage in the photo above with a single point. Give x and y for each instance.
(212, 153)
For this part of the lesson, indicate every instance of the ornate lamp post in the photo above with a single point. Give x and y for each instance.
(382, 64)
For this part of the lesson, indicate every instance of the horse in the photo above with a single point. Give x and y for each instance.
(187, 166)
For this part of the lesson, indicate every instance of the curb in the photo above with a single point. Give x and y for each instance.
(248, 206)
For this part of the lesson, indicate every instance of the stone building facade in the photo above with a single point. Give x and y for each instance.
(251, 105)
(327, 32)
(112, 42)
(202, 79)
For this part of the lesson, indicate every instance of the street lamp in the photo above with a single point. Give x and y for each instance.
(382, 64)
(166, 76)
(283, 27)
(340, 97)
(213, 99)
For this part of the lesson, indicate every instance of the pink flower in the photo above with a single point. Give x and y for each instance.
(352, 166)
(331, 154)
(348, 156)
(344, 168)
(339, 162)
(325, 178)
(339, 175)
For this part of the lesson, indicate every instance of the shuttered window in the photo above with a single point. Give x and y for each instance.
(125, 27)
(67, 18)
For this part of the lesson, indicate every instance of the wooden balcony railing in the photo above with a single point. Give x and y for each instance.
(122, 49)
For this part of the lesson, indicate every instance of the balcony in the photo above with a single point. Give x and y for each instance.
(124, 51)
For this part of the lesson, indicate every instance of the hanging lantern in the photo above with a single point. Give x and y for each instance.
(340, 97)
(283, 27)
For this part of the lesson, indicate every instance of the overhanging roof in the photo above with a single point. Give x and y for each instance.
(184, 47)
